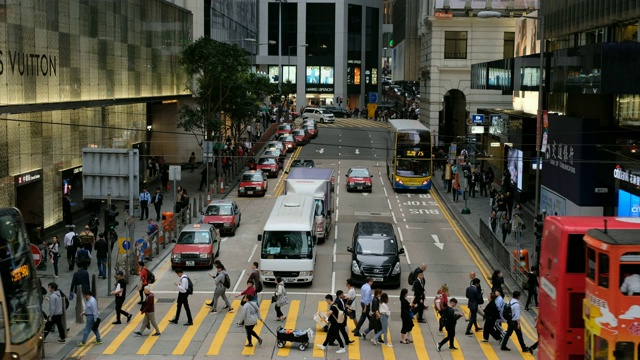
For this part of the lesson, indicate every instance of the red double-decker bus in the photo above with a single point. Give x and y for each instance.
(562, 282)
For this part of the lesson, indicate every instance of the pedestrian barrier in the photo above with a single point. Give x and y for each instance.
(507, 259)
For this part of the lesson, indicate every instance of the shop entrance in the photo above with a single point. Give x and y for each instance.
(453, 116)
(29, 199)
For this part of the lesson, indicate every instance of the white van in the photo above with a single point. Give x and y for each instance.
(321, 115)
(289, 240)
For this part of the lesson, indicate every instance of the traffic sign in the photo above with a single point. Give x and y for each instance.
(175, 172)
(126, 245)
(477, 119)
(373, 97)
(37, 255)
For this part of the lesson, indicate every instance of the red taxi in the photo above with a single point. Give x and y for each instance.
(311, 130)
(288, 141)
(224, 215)
(300, 136)
(276, 154)
(197, 245)
(359, 178)
(269, 165)
(284, 129)
(253, 183)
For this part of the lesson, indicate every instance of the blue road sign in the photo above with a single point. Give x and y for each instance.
(126, 245)
(373, 97)
(142, 244)
(477, 119)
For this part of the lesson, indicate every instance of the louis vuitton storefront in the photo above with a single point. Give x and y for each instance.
(77, 74)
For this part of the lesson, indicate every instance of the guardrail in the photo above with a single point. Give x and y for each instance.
(511, 262)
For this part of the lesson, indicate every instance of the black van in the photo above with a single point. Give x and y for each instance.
(375, 253)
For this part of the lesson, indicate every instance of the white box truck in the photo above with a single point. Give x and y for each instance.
(317, 183)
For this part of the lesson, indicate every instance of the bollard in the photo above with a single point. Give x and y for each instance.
(154, 236)
(194, 201)
(79, 309)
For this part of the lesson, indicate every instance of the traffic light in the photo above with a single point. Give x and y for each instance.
(538, 227)
(110, 218)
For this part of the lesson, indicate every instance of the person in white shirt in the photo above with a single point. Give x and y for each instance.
(71, 249)
(514, 324)
(631, 285)
(183, 298)
(385, 313)
(350, 299)
(145, 199)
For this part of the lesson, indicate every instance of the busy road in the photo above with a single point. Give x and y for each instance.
(427, 233)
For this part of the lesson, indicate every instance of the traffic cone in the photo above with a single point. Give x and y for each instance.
(221, 187)
(208, 198)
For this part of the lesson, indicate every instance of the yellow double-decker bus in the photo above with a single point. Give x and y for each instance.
(21, 319)
(409, 160)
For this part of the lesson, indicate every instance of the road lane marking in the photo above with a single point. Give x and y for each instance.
(223, 330)
(389, 202)
(320, 334)
(151, 340)
(335, 232)
(333, 283)
(185, 340)
(294, 308)
(418, 343)
(385, 192)
(354, 347)
(413, 228)
(235, 288)
(436, 242)
(486, 347)
(337, 213)
(264, 310)
(388, 352)
(456, 354)
(123, 335)
(335, 248)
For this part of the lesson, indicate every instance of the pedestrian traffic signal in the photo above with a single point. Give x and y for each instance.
(111, 222)
(538, 227)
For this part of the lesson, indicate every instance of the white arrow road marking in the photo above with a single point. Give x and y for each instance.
(357, 151)
(365, 194)
(414, 228)
(320, 151)
(437, 242)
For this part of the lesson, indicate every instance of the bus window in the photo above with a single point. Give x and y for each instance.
(630, 274)
(601, 348)
(603, 270)
(591, 270)
(624, 350)
(575, 263)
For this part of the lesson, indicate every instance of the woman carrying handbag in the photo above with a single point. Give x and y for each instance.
(280, 299)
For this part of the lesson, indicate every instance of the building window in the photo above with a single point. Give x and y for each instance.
(509, 45)
(455, 44)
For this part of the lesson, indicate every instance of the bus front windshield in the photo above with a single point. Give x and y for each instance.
(19, 279)
(287, 245)
(413, 153)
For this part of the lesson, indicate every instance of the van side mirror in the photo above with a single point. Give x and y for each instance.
(346, 175)
(401, 251)
(259, 237)
(371, 176)
(349, 249)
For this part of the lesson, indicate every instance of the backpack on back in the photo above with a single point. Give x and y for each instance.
(189, 286)
(412, 277)
(65, 299)
(258, 283)
(75, 240)
(437, 302)
(94, 223)
(227, 281)
(150, 277)
(507, 311)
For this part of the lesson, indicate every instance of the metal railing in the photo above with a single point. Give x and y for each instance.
(512, 262)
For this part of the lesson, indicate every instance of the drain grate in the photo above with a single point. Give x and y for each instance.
(165, 300)
(376, 214)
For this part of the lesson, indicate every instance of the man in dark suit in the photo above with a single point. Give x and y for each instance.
(419, 295)
(156, 200)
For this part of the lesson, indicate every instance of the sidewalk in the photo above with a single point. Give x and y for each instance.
(492, 250)
(190, 181)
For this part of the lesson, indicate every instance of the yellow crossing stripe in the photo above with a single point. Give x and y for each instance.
(487, 348)
(456, 354)
(320, 334)
(264, 310)
(388, 352)
(418, 342)
(191, 331)
(354, 122)
(354, 348)
(294, 308)
(123, 335)
(223, 330)
(151, 340)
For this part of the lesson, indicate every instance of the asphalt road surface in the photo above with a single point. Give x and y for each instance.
(427, 232)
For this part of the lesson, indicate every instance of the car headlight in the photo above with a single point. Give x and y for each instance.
(396, 269)
(425, 182)
(306, 273)
(258, 187)
(227, 223)
(354, 267)
(241, 188)
(399, 181)
(175, 256)
(205, 256)
(266, 273)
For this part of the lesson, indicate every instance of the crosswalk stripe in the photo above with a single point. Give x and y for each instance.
(294, 308)
(185, 340)
(124, 334)
(223, 330)
(264, 310)
(151, 340)
(388, 352)
(354, 348)
(487, 349)
(418, 342)
(455, 354)
(320, 334)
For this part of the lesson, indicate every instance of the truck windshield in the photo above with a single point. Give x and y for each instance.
(287, 245)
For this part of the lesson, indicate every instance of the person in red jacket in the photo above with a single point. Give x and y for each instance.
(144, 280)
(148, 310)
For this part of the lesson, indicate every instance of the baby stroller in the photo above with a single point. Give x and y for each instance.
(297, 336)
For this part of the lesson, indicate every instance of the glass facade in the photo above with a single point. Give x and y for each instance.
(289, 27)
(62, 53)
(232, 21)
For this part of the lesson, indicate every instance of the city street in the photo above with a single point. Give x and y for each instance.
(425, 228)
